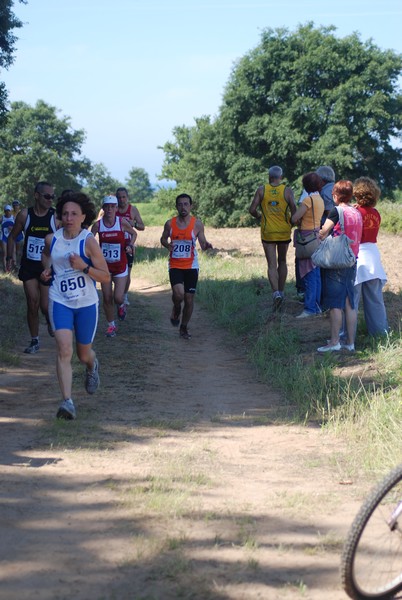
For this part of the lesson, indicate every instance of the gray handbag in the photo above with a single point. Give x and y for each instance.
(335, 252)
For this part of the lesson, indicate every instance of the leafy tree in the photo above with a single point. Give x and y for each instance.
(299, 100)
(35, 144)
(100, 183)
(138, 185)
(8, 22)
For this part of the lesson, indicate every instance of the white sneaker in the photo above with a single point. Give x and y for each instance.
(305, 315)
(33, 347)
(66, 410)
(350, 347)
(329, 348)
(92, 379)
(277, 300)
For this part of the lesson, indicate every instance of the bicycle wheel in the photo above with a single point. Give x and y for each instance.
(371, 565)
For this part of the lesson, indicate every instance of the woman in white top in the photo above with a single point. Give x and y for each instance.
(73, 261)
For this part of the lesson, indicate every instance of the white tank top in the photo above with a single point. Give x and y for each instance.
(71, 287)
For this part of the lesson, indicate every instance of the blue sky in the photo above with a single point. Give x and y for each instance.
(129, 71)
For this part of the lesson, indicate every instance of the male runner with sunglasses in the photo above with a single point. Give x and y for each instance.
(36, 222)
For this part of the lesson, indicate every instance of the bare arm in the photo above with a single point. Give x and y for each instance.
(16, 230)
(258, 197)
(290, 199)
(95, 228)
(126, 227)
(326, 229)
(46, 274)
(166, 236)
(205, 245)
(138, 222)
(99, 271)
(299, 214)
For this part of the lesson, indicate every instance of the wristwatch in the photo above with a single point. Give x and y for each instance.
(86, 270)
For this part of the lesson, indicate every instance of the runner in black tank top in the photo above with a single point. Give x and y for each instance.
(37, 222)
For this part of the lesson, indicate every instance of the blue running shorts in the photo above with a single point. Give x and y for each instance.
(83, 321)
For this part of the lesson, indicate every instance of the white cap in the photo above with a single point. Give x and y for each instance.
(8, 207)
(110, 200)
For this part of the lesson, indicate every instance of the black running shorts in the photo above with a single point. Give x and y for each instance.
(187, 277)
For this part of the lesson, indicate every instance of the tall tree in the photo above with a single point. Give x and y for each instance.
(299, 100)
(139, 186)
(8, 22)
(36, 144)
(99, 183)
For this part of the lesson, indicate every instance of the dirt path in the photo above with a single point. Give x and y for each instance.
(176, 481)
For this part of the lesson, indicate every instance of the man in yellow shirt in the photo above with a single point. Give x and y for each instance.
(274, 205)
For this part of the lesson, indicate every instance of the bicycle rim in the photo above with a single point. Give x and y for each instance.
(372, 557)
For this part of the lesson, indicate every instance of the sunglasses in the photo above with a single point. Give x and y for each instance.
(47, 196)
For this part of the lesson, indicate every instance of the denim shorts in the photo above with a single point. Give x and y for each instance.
(337, 285)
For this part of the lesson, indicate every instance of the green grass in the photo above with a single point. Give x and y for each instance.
(391, 216)
(154, 215)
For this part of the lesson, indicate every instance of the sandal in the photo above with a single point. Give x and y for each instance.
(184, 332)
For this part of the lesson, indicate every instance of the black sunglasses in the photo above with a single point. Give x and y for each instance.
(48, 196)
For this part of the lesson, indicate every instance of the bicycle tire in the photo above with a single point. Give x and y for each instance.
(371, 563)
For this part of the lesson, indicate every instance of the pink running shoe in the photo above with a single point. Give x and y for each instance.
(111, 331)
(121, 312)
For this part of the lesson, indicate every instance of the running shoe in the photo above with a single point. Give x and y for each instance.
(175, 318)
(305, 315)
(92, 379)
(111, 331)
(330, 348)
(184, 332)
(33, 347)
(121, 312)
(350, 347)
(277, 300)
(66, 410)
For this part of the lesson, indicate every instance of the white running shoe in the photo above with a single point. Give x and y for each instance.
(92, 379)
(66, 410)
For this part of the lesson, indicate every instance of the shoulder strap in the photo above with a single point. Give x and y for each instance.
(341, 218)
(312, 208)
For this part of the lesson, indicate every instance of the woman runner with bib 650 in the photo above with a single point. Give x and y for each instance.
(74, 261)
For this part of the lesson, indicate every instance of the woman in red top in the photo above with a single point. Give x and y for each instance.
(370, 275)
(111, 230)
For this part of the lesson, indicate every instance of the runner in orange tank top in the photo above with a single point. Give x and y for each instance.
(180, 236)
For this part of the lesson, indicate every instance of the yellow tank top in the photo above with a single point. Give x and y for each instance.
(275, 217)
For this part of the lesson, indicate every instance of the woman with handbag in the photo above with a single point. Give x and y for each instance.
(308, 216)
(338, 283)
